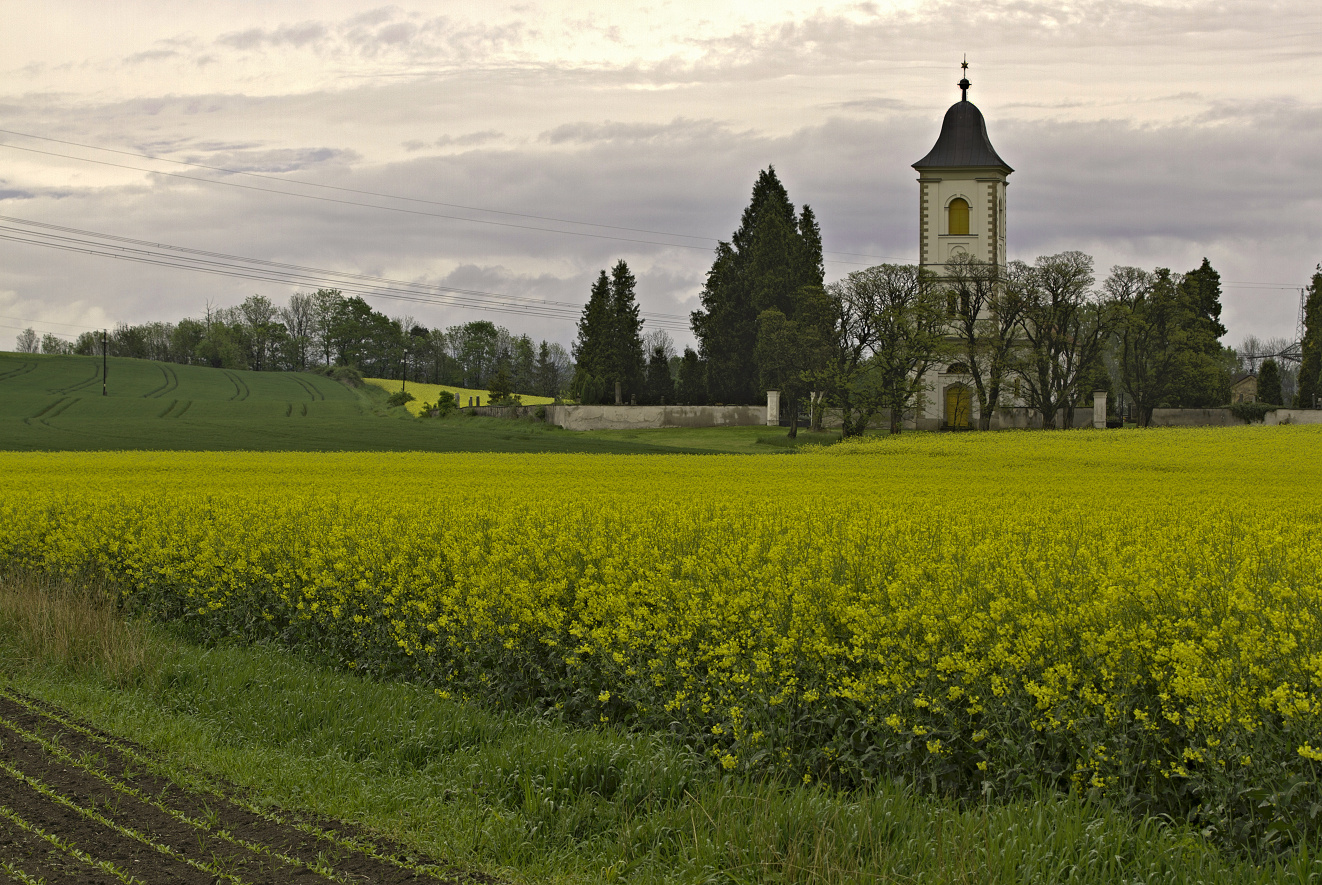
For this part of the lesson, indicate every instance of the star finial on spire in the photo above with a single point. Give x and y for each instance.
(964, 83)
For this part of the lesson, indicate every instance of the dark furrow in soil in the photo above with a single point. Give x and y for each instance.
(221, 810)
(39, 859)
(93, 837)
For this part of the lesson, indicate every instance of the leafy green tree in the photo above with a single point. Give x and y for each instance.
(1148, 335)
(257, 330)
(793, 355)
(1205, 372)
(221, 347)
(1310, 366)
(185, 340)
(55, 344)
(691, 389)
(1269, 383)
(891, 326)
(369, 340)
(327, 304)
(478, 345)
(768, 262)
(1166, 338)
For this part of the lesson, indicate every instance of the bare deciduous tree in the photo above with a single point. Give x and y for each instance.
(1065, 323)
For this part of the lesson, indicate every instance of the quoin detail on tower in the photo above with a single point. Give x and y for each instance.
(961, 187)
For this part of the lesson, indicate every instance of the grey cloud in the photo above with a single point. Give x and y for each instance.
(274, 160)
(471, 139)
(298, 36)
(375, 16)
(151, 55)
(583, 132)
(468, 139)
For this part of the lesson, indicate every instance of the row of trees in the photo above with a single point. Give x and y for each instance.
(325, 328)
(1042, 334)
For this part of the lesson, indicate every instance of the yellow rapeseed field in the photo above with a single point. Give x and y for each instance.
(428, 394)
(1131, 614)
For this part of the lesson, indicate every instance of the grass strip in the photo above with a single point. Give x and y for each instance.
(64, 846)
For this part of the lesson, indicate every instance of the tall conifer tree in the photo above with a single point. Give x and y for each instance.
(765, 266)
(594, 331)
(1269, 383)
(1310, 367)
(609, 347)
(628, 365)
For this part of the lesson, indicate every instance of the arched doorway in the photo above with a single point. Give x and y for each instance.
(959, 407)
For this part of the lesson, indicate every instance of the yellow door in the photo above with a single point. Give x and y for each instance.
(959, 407)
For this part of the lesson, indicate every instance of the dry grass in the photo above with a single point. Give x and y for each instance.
(74, 626)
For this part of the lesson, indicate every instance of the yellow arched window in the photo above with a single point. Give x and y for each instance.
(959, 217)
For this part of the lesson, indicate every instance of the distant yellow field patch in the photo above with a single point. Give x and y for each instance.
(427, 393)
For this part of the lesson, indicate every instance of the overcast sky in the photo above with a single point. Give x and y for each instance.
(1142, 133)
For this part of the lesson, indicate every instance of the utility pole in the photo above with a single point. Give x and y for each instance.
(104, 362)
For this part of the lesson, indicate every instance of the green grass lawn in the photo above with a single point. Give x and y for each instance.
(54, 403)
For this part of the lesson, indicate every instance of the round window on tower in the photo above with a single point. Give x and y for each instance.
(959, 217)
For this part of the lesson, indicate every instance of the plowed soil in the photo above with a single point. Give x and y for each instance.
(80, 805)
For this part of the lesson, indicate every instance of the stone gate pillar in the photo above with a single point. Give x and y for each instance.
(773, 408)
(1099, 409)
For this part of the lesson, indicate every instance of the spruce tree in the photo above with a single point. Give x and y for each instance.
(627, 364)
(1269, 383)
(766, 265)
(609, 347)
(1310, 367)
(591, 349)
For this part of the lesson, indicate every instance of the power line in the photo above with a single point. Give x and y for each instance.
(351, 190)
(188, 251)
(47, 322)
(221, 264)
(250, 187)
(710, 241)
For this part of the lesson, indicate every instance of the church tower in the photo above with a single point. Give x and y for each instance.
(961, 188)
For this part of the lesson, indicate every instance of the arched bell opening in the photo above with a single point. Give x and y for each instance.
(958, 217)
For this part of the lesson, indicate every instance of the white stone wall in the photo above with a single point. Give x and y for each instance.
(651, 417)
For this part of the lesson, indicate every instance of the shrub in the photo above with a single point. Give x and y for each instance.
(446, 402)
(399, 398)
(1252, 413)
(349, 376)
